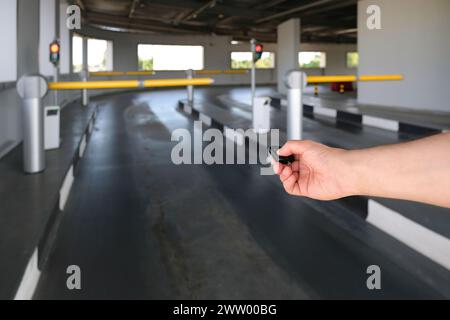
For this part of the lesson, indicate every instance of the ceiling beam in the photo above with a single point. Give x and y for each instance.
(194, 14)
(111, 20)
(269, 4)
(133, 8)
(219, 8)
(294, 10)
(80, 4)
(239, 22)
(346, 31)
(338, 5)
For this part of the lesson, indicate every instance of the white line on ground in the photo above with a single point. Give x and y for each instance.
(65, 188)
(425, 241)
(30, 279)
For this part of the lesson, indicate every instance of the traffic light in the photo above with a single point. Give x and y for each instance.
(259, 49)
(55, 49)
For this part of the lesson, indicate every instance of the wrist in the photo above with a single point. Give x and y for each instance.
(356, 177)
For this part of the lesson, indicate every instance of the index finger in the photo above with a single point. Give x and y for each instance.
(295, 147)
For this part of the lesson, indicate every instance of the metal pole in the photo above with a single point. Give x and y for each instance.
(295, 82)
(57, 37)
(253, 74)
(55, 79)
(84, 93)
(85, 72)
(190, 88)
(32, 89)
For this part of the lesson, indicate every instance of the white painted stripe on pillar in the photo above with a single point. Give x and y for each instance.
(205, 119)
(65, 189)
(327, 112)
(82, 146)
(425, 241)
(381, 123)
(30, 279)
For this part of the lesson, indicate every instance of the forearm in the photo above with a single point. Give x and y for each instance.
(417, 170)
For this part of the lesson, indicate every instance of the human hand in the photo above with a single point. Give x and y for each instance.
(319, 172)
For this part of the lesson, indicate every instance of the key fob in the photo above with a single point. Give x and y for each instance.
(281, 159)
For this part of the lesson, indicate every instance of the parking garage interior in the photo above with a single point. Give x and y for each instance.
(93, 94)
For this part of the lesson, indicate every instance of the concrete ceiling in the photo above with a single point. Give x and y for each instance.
(322, 20)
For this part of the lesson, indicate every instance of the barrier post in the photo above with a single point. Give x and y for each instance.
(253, 73)
(190, 88)
(85, 72)
(84, 93)
(32, 88)
(55, 79)
(295, 81)
(316, 89)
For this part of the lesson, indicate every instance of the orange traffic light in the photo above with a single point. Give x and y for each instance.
(55, 49)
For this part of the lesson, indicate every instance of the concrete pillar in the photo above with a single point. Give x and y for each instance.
(85, 54)
(412, 40)
(27, 55)
(288, 48)
(27, 37)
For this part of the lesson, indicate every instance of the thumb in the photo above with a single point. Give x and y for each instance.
(293, 147)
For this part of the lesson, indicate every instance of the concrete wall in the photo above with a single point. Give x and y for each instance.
(217, 50)
(217, 54)
(288, 35)
(27, 62)
(414, 40)
(336, 55)
(8, 34)
(32, 58)
(47, 34)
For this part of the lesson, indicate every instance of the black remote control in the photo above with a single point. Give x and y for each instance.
(281, 159)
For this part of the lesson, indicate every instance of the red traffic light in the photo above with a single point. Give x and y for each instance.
(258, 52)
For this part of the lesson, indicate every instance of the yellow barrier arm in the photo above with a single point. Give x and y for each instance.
(129, 84)
(106, 74)
(351, 78)
(116, 73)
(204, 72)
(327, 79)
(140, 73)
(213, 72)
(386, 77)
(235, 71)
